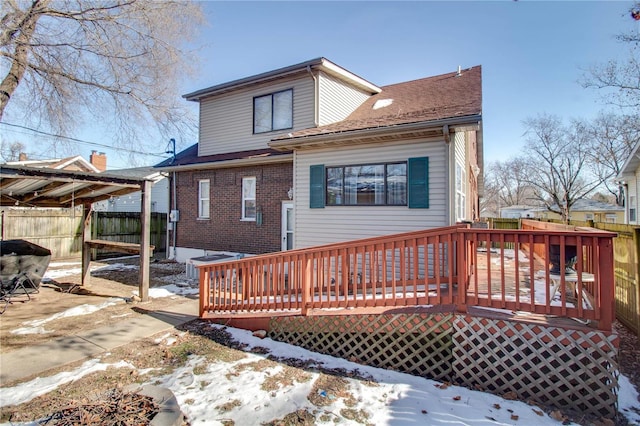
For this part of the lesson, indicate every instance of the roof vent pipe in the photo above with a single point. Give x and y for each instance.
(459, 71)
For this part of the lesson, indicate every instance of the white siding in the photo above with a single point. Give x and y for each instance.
(337, 99)
(343, 223)
(226, 121)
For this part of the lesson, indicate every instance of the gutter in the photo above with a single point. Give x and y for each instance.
(383, 130)
(284, 158)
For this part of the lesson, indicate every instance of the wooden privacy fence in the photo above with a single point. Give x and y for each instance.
(126, 227)
(432, 267)
(60, 230)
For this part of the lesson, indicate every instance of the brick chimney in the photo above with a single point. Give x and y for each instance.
(99, 160)
(22, 156)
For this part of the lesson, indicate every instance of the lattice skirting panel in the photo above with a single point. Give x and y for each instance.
(418, 344)
(567, 369)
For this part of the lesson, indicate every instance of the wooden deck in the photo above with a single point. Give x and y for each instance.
(499, 273)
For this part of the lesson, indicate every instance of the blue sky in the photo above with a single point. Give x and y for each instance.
(532, 53)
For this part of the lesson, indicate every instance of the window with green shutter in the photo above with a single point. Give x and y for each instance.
(316, 186)
(390, 184)
(418, 182)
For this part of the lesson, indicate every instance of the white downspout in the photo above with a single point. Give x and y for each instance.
(316, 95)
(450, 172)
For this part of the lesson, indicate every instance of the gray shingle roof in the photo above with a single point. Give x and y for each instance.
(428, 99)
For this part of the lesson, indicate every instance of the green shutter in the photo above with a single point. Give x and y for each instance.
(316, 187)
(418, 181)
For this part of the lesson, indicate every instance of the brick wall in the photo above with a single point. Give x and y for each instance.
(224, 230)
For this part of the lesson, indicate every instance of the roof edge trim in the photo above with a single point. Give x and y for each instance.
(284, 158)
(321, 63)
(296, 141)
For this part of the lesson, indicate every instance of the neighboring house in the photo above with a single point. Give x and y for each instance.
(629, 179)
(313, 154)
(132, 202)
(584, 210)
(97, 163)
(517, 212)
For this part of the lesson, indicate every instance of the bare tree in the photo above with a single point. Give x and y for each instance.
(619, 79)
(557, 157)
(506, 185)
(510, 177)
(489, 202)
(11, 151)
(611, 138)
(113, 64)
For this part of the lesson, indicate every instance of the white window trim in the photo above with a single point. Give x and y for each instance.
(247, 179)
(202, 197)
(271, 96)
(461, 192)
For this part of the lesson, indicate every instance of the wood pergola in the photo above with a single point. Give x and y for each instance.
(50, 188)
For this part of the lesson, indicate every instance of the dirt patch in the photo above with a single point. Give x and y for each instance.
(153, 355)
(111, 289)
(297, 418)
(328, 388)
(114, 407)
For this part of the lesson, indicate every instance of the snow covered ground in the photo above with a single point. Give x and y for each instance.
(387, 398)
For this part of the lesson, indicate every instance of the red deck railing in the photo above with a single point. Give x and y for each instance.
(456, 265)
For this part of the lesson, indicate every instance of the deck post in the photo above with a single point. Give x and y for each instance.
(204, 290)
(606, 284)
(461, 273)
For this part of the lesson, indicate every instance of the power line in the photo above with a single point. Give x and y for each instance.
(162, 155)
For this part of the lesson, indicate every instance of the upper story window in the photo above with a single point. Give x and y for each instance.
(249, 198)
(273, 112)
(367, 185)
(203, 199)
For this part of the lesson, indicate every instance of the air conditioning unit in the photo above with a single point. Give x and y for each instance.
(192, 264)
